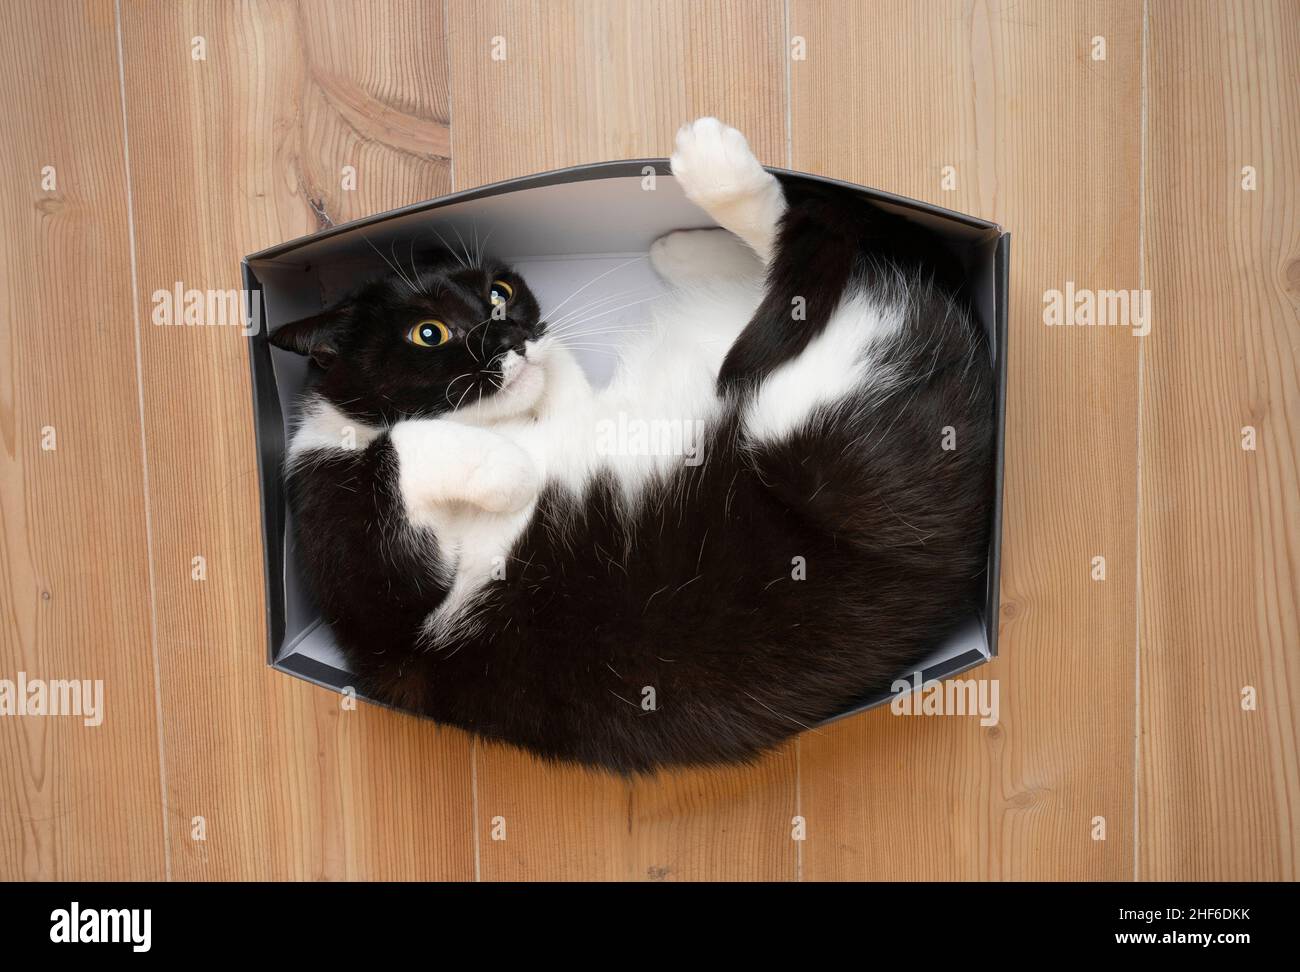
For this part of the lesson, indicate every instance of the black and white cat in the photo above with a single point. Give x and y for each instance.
(483, 560)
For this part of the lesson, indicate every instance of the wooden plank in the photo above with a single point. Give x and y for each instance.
(579, 81)
(717, 825)
(1219, 795)
(232, 153)
(583, 82)
(81, 803)
(1046, 141)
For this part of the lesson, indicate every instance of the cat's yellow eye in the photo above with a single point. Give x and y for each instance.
(429, 334)
(500, 292)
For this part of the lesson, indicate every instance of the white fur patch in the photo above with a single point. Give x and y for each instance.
(323, 427)
(836, 363)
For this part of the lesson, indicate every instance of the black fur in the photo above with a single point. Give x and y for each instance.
(691, 594)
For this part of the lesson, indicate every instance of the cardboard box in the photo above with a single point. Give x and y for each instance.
(560, 230)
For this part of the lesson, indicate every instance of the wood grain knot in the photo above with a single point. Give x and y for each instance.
(1025, 799)
(1292, 277)
(372, 119)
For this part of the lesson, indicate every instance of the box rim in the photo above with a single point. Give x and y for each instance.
(587, 172)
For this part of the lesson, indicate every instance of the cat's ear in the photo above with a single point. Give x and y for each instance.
(315, 336)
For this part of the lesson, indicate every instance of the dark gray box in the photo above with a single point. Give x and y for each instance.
(560, 229)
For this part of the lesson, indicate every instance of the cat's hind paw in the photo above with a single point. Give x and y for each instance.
(698, 256)
(715, 165)
(720, 174)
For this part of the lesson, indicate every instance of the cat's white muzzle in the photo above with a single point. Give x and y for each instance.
(513, 366)
(521, 387)
(523, 379)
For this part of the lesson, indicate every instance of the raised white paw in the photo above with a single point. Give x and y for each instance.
(715, 166)
(718, 172)
(504, 481)
(706, 254)
(442, 462)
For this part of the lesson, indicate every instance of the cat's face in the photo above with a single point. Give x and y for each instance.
(423, 344)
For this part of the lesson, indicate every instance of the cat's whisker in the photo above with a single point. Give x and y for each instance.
(614, 334)
(596, 299)
(392, 249)
(602, 320)
(463, 247)
(608, 339)
(468, 374)
(599, 277)
(610, 311)
(578, 323)
(563, 319)
(597, 349)
(448, 247)
(390, 263)
(415, 273)
(608, 317)
(468, 333)
(483, 248)
(462, 397)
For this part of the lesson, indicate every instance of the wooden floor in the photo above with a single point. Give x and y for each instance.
(1172, 164)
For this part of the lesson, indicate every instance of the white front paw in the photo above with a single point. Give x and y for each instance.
(442, 463)
(504, 481)
(715, 166)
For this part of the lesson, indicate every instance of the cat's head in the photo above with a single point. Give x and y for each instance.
(420, 344)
